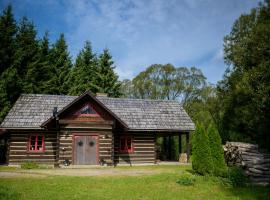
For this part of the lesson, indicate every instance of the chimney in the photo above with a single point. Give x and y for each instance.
(101, 94)
(55, 113)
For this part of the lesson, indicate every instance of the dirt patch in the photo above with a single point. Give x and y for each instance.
(12, 174)
(77, 172)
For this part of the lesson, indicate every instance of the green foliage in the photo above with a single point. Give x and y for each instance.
(244, 91)
(7, 50)
(237, 177)
(107, 79)
(61, 61)
(217, 153)
(201, 154)
(166, 82)
(29, 165)
(186, 179)
(83, 75)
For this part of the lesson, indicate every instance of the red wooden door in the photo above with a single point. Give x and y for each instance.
(86, 150)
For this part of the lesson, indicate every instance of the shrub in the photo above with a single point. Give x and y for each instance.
(217, 153)
(29, 165)
(237, 177)
(201, 154)
(186, 180)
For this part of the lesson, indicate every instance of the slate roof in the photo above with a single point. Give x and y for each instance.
(31, 110)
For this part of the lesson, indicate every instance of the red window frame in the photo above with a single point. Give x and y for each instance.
(124, 144)
(91, 114)
(35, 139)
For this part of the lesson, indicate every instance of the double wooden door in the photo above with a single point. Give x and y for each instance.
(85, 150)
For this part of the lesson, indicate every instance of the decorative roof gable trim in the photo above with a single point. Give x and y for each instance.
(92, 96)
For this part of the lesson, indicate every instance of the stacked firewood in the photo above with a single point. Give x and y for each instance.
(255, 163)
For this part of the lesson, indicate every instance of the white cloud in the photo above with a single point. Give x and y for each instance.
(140, 33)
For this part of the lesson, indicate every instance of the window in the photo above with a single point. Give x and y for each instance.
(126, 145)
(36, 143)
(87, 110)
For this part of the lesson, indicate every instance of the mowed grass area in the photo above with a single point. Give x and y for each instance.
(156, 186)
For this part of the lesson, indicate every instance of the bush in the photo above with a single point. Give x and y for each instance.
(217, 152)
(186, 180)
(201, 153)
(237, 177)
(29, 165)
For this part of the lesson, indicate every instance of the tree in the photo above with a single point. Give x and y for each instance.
(26, 55)
(168, 82)
(201, 154)
(107, 79)
(7, 38)
(127, 88)
(244, 91)
(8, 75)
(61, 61)
(217, 153)
(83, 75)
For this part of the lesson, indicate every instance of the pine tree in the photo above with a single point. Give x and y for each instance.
(61, 61)
(26, 55)
(8, 75)
(201, 154)
(7, 38)
(217, 153)
(83, 75)
(107, 79)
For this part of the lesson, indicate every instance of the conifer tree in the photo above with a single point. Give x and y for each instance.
(83, 74)
(8, 75)
(62, 65)
(26, 55)
(217, 153)
(107, 79)
(201, 153)
(7, 38)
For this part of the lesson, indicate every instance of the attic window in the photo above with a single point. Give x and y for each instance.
(87, 110)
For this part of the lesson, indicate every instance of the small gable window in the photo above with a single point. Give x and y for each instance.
(87, 110)
(126, 145)
(36, 143)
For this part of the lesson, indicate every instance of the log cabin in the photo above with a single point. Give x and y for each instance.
(90, 129)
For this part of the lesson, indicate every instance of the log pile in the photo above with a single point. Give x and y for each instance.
(255, 163)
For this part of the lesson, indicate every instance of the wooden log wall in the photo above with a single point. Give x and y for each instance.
(18, 152)
(144, 149)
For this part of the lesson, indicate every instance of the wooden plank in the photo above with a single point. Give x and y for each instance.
(70, 121)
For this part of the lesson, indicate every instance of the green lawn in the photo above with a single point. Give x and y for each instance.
(158, 186)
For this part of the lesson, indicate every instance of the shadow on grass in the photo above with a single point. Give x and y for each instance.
(246, 192)
(251, 192)
(8, 193)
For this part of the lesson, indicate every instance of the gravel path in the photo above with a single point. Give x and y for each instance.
(77, 172)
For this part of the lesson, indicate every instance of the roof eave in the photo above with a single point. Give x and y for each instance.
(22, 128)
(161, 130)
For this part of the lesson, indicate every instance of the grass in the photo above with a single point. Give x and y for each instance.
(159, 186)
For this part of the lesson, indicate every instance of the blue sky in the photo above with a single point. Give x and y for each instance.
(141, 32)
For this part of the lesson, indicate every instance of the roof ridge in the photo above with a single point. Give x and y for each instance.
(61, 95)
(136, 99)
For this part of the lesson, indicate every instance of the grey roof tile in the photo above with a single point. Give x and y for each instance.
(31, 110)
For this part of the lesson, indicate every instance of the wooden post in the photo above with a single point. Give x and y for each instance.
(188, 146)
(165, 147)
(170, 148)
(179, 144)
